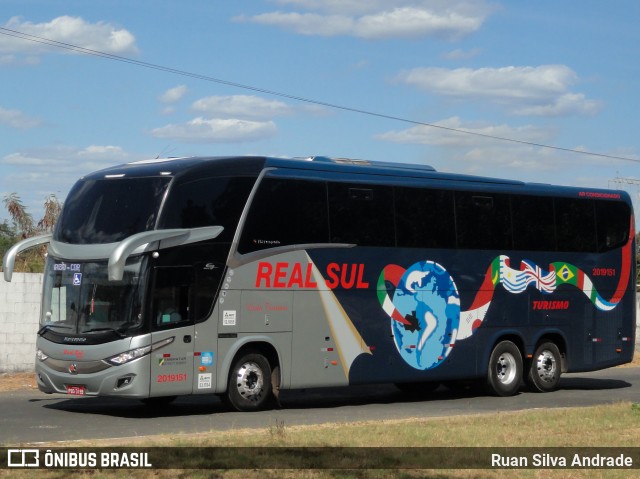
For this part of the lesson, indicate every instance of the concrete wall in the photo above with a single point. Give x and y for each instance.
(19, 315)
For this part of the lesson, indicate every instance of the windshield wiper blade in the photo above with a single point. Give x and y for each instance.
(46, 327)
(95, 330)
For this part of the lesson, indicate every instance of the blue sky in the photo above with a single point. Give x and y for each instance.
(563, 74)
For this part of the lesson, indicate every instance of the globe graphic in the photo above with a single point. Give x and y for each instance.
(427, 296)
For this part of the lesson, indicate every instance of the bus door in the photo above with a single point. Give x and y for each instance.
(172, 365)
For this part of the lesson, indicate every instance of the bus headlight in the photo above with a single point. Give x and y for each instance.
(41, 356)
(133, 354)
(128, 356)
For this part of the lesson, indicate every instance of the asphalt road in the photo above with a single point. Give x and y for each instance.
(33, 417)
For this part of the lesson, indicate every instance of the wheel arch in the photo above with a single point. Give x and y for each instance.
(259, 344)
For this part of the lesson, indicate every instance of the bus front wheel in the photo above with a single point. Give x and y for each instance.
(544, 373)
(505, 369)
(249, 387)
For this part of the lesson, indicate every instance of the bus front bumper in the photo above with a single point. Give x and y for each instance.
(129, 380)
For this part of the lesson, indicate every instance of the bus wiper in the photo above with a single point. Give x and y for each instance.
(46, 327)
(95, 330)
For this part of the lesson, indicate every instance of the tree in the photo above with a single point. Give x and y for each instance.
(22, 220)
(23, 227)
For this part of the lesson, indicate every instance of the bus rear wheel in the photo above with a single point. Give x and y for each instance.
(546, 367)
(505, 369)
(249, 387)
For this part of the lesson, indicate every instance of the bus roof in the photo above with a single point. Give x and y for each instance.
(188, 168)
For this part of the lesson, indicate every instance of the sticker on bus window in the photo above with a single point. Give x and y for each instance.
(229, 318)
(77, 279)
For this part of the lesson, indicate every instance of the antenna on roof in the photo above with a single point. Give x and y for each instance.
(164, 152)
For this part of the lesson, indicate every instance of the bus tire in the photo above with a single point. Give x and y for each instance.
(249, 386)
(505, 369)
(546, 367)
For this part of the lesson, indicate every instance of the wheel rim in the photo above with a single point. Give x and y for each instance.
(546, 366)
(250, 381)
(506, 368)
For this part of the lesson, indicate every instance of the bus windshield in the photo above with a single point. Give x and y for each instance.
(110, 210)
(78, 297)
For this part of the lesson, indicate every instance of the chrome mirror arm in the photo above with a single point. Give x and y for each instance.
(9, 259)
(167, 238)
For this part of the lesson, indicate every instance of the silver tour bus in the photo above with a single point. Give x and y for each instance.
(244, 276)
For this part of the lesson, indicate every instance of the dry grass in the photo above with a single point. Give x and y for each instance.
(615, 425)
(17, 381)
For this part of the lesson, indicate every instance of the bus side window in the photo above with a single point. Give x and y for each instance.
(361, 214)
(612, 221)
(424, 218)
(533, 225)
(575, 224)
(286, 211)
(483, 221)
(170, 303)
(207, 202)
(205, 287)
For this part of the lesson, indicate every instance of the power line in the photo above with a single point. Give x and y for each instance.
(78, 49)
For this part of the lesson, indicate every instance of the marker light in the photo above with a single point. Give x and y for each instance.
(128, 356)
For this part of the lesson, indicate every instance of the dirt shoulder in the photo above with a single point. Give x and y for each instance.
(17, 381)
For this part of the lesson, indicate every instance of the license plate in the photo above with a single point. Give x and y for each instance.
(75, 390)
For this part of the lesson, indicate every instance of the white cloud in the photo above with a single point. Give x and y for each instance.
(447, 133)
(235, 118)
(107, 152)
(101, 36)
(173, 95)
(35, 173)
(17, 119)
(25, 159)
(67, 159)
(378, 19)
(564, 105)
(202, 130)
(537, 91)
(241, 106)
(480, 155)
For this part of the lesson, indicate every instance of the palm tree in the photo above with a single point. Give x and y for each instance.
(22, 220)
(24, 227)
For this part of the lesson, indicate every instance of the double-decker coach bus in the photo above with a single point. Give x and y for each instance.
(243, 276)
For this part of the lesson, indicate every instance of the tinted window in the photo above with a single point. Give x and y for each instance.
(483, 221)
(207, 202)
(205, 288)
(613, 224)
(533, 225)
(361, 214)
(170, 302)
(424, 218)
(575, 225)
(109, 210)
(286, 212)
